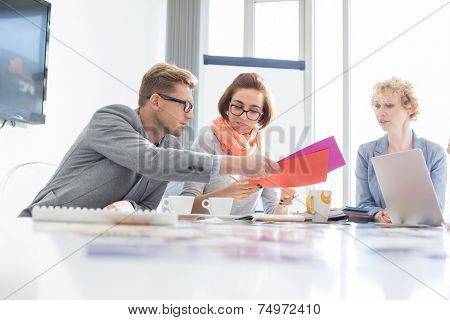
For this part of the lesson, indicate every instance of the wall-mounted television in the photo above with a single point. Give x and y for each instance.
(24, 36)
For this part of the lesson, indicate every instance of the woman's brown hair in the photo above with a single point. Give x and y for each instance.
(248, 81)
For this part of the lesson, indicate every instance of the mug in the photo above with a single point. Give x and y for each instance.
(218, 206)
(178, 204)
(318, 203)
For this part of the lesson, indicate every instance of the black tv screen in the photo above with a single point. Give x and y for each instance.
(24, 35)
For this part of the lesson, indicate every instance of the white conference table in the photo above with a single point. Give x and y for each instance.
(241, 260)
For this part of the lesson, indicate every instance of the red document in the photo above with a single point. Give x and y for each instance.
(299, 170)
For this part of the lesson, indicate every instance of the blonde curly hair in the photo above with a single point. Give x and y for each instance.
(404, 89)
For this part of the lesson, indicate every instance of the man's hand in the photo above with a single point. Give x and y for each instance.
(122, 206)
(250, 166)
(382, 217)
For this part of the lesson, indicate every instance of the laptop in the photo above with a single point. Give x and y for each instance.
(407, 188)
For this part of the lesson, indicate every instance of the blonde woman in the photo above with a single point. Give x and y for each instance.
(245, 108)
(395, 107)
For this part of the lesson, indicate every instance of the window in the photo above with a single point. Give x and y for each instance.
(226, 28)
(420, 56)
(276, 26)
(277, 30)
(328, 85)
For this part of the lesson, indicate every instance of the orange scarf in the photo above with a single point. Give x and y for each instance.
(231, 141)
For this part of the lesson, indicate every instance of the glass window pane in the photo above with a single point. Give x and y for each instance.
(420, 56)
(328, 85)
(276, 30)
(226, 28)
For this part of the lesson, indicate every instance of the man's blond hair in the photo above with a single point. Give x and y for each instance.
(162, 78)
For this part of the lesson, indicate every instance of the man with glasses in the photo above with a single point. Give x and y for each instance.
(124, 158)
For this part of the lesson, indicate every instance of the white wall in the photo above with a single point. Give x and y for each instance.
(123, 38)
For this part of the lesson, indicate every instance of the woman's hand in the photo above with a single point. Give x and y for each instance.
(382, 217)
(240, 190)
(287, 196)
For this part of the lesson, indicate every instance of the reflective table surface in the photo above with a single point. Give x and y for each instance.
(230, 260)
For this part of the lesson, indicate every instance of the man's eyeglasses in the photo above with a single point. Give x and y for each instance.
(250, 114)
(187, 105)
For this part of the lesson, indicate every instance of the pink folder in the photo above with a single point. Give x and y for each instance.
(299, 170)
(335, 160)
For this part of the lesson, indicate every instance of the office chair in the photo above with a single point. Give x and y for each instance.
(20, 185)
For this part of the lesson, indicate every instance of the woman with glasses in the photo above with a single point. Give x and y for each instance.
(395, 106)
(245, 108)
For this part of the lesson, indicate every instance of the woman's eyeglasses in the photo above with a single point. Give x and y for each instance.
(250, 114)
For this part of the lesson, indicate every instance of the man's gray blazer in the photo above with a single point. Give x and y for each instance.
(112, 160)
